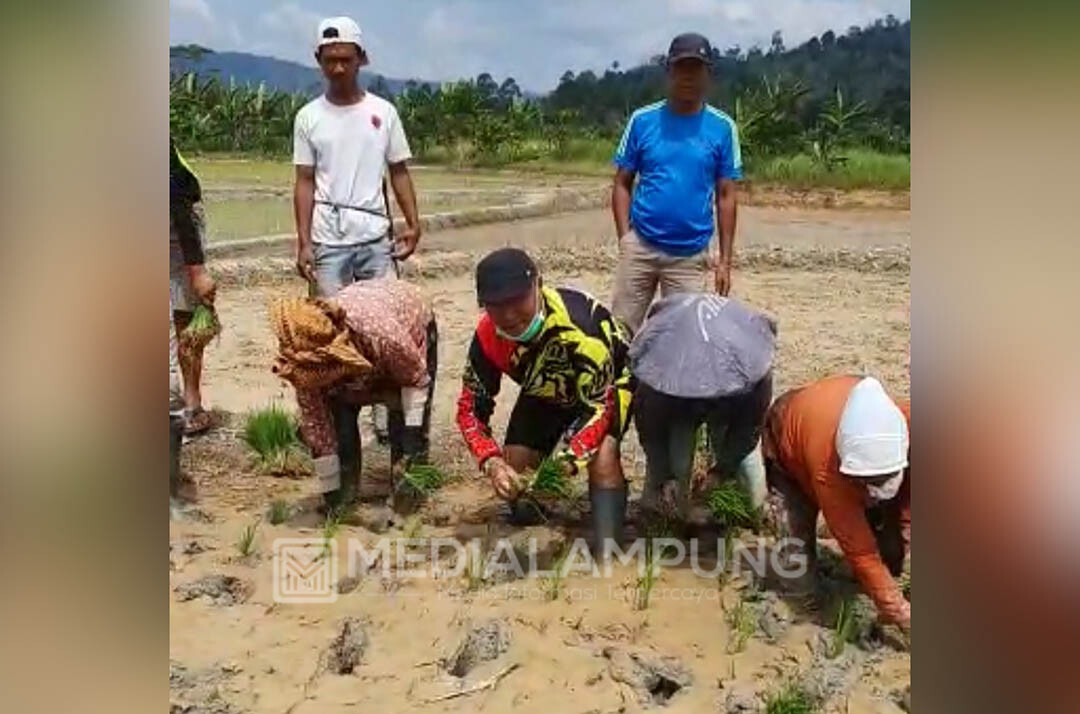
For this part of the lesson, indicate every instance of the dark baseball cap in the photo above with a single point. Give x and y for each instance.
(690, 45)
(504, 274)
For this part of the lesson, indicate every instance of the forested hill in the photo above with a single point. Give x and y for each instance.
(871, 64)
(851, 89)
(248, 69)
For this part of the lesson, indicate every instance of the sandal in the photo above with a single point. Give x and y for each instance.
(197, 420)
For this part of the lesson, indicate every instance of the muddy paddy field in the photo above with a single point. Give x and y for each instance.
(391, 642)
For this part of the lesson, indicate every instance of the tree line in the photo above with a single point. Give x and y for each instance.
(828, 93)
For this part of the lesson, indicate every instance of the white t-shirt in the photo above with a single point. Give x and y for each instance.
(349, 146)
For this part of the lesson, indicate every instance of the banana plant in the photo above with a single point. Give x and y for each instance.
(834, 126)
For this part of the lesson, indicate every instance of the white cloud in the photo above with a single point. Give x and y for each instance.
(692, 8)
(289, 17)
(197, 8)
(533, 42)
(290, 26)
(738, 11)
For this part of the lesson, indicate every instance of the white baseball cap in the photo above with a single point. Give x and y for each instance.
(872, 439)
(338, 29)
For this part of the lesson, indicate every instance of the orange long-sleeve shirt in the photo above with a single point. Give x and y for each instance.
(800, 434)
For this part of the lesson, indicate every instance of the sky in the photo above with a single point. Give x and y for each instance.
(534, 41)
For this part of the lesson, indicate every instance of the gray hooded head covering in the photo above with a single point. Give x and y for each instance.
(703, 346)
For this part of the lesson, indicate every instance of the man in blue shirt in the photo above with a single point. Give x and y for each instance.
(685, 156)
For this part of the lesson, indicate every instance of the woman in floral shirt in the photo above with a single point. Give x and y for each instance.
(373, 342)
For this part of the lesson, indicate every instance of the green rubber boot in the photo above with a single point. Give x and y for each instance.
(609, 515)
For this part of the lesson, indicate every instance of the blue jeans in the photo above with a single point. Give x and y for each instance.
(338, 266)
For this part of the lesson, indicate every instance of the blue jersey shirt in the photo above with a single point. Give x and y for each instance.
(678, 159)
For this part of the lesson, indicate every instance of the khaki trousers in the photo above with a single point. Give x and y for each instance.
(641, 268)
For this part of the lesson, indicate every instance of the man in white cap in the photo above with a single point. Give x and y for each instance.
(343, 142)
(840, 445)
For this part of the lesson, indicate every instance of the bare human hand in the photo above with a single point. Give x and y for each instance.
(202, 283)
(723, 277)
(504, 479)
(406, 242)
(305, 262)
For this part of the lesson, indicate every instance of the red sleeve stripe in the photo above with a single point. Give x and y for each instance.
(476, 434)
(588, 440)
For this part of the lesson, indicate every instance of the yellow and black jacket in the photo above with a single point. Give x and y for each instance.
(579, 360)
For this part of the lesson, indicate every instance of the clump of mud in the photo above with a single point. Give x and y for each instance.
(347, 584)
(197, 691)
(772, 614)
(186, 512)
(655, 679)
(187, 547)
(377, 519)
(347, 648)
(742, 699)
(484, 642)
(220, 589)
(830, 674)
(767, 609)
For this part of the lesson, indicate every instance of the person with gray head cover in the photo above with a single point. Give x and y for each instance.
(701, 359)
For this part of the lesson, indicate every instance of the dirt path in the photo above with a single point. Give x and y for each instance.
(792, 227)
(757, 226)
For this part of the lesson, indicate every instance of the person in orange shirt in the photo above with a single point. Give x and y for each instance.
(840, 445)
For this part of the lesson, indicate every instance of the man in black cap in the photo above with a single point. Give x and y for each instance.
(569, 357)
(685, 156)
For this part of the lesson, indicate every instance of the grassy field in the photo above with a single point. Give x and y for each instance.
(250, 196)
(863, 169)
(582, 158)
(246, 218)
(226, 170)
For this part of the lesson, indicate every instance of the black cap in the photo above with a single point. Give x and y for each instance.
(687, 45)
(504, 274)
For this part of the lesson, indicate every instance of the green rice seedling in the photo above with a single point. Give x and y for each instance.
(271, 432)
(741, 625)
(729, 556)
(553, 584)
(288, 461)
(551, 479)
(204, 326)
(844, 630)
(424, 478)
(413, 527)
(246, 544)
(331, 527)
(417, 483)
(701, 441)
(792, 699)
(731, 505)
(474, 568)
(646, 581)
(279, 511)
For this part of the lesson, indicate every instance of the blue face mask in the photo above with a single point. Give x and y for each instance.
(530, 332)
